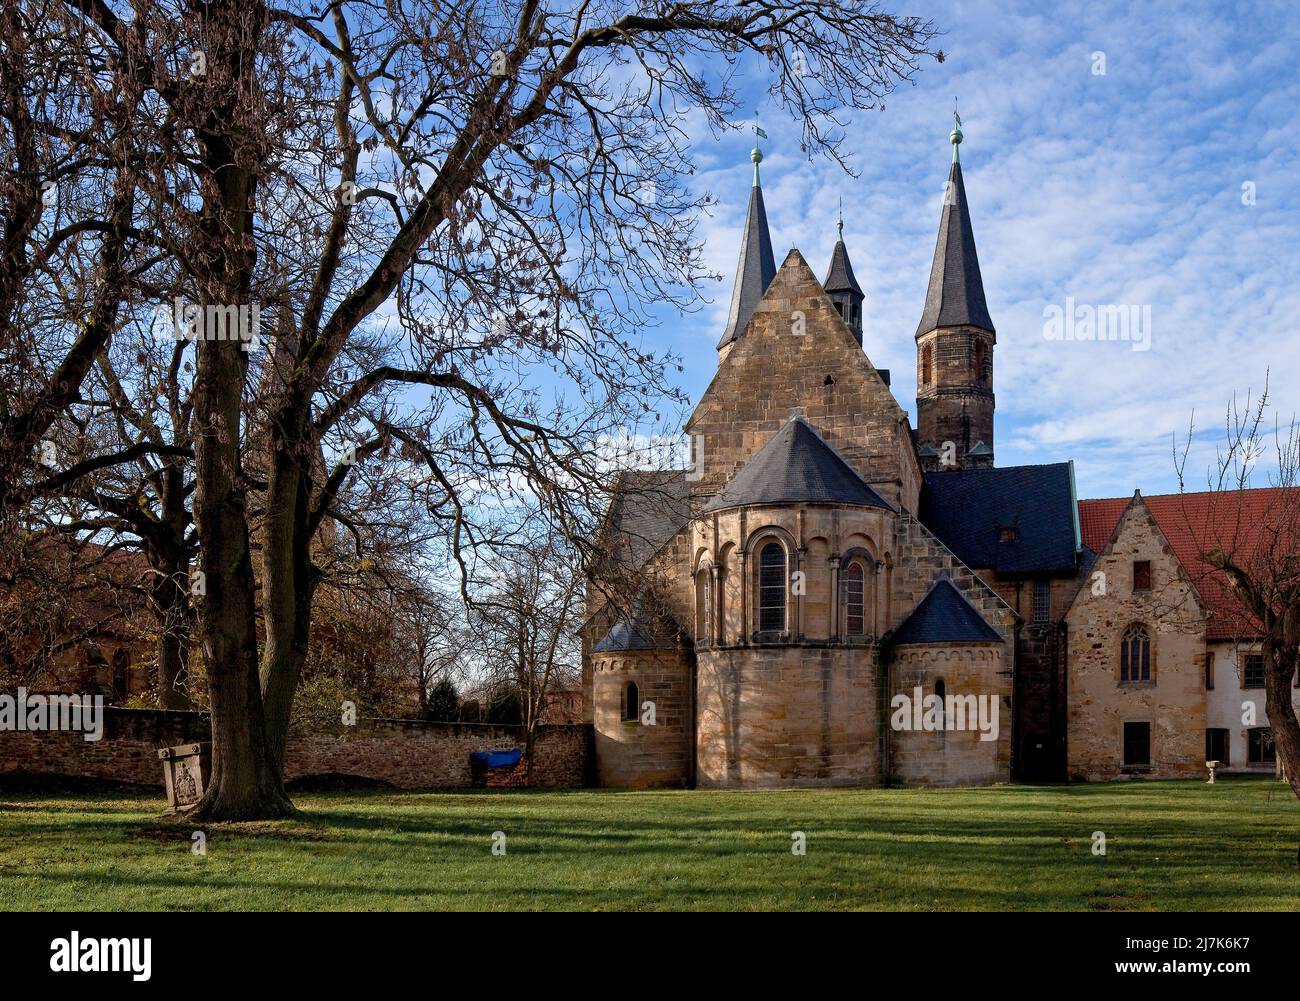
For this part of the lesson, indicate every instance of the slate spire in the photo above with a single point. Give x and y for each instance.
(757, 266)
(842, 286)
(956, 294)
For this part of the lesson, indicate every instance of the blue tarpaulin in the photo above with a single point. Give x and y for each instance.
(496, 759)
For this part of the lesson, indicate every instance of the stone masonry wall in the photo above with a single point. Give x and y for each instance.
(953, 757)
(630, 753)
(957, 403)
(405, 754)
(788, 716)
(1173, 701)
(796, 353)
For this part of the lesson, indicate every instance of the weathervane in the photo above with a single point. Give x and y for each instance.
(757, 154)
(955, 137)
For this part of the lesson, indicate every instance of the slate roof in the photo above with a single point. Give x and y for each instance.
(944, 616)
(840, 277)
(627, 633)
(956, 293)
(754, 272)
(796, 466)
(648, 509)
(1194, 523)
(968, 508)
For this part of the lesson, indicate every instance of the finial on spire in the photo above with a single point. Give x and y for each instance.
(840, 225)
(955, 137)
(756, 154)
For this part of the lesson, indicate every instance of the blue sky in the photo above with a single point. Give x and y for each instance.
(1119, 188)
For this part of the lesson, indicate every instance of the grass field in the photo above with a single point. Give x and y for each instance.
(1169, 846)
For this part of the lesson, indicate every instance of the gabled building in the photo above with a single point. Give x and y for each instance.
(822, 557)
(827, 582)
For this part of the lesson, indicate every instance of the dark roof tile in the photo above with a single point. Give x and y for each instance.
(796, 466)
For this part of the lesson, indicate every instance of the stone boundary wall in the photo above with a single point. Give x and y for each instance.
(407, 754)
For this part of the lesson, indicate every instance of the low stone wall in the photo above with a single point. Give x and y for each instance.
(402, 753)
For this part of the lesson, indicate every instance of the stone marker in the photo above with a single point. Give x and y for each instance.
(185, 768)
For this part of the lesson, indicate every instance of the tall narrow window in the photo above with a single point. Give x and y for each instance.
(1042, 600)
(1135, 655)
(771, 588)
(940, 695)
(927, 358)
(1209, 672)
(1137, 743)
(631, 702)
(855, 611)
(1252, 671)
(978, 361)
(702, 617)
(1141, 575)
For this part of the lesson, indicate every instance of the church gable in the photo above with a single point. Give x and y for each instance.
(797, 356)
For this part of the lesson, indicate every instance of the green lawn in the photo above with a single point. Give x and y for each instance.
(1170, 845)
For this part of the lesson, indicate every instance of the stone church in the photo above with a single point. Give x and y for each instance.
(831, 597)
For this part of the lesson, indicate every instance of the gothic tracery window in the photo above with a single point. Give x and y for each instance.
(1135, 655)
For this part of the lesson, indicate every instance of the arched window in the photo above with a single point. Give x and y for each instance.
(631, 702)
(722, 582)
(855, 611)
(927, 356)
(702, 616)
(771, 588)
(940, 695)
(980, 351)
(1135, 655)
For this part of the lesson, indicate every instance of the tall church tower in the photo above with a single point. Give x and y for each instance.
(756, 268)
(954, 344)
(842, 287)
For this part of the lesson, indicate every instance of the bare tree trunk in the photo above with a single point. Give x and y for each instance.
(246, 779)
(287, 581)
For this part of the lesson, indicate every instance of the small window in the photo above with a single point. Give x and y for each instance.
(1007, 533)
(1141, 575)
(839, 307)
(1135, 655)
(1042, 600)
(771, 588)
(1252, 671)
(855, 605)
(1259, 746)
(977, 367)
(1216, 746)
(940, 695)
(1137, 743)
(927, 359)
(631, 702)
(1209, 672)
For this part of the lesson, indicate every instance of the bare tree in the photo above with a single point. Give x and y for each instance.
(455, 217)
(525, 619)
(1252, 550)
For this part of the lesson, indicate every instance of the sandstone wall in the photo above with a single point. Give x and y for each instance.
(957, 403)
(796, 352)
(788, 716)
(630, 753)
(1173, 701)
(408, 755)
(947, 758)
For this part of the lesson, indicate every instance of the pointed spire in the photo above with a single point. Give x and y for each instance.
(956, 293)
(757, 267)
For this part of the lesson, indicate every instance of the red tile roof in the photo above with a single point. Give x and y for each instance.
(1195, 523)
